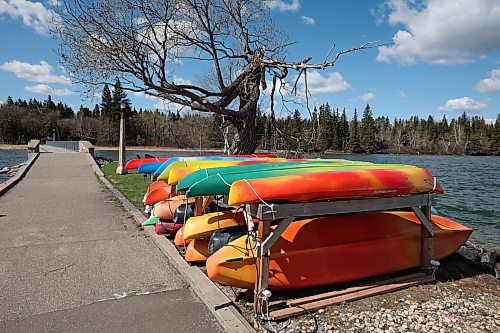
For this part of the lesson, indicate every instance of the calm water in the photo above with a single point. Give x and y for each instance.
(11, 158)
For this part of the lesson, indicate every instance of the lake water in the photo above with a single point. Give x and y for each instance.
(471, 183)
(10, 158)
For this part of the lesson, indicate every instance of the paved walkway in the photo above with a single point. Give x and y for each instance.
(71, 260)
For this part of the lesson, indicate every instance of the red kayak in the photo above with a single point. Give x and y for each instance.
(136, 162)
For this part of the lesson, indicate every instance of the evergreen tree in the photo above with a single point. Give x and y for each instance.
(495, 137)
(367, 131)
(343, 131)
(96, 113)
(9, 101)
(325, 128)
(49, 104)
(354, 144)
(106, 101)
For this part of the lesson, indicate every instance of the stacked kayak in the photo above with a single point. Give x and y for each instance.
(311, 251)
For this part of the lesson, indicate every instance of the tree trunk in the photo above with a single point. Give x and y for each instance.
(245, 138)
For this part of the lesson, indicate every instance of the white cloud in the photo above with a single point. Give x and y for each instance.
(441, 32)
(308, 20)
(366, 96)
(33, 14)
(464, 104)
(491, 83)
(490, 121)
(41, 73)
(44, 89)
(332, 83)
(283, 6)
(142, 95)
(54, 3)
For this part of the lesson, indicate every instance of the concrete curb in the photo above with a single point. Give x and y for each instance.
(11, 182)
(219, 304)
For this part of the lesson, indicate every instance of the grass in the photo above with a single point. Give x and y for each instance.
(132, 185)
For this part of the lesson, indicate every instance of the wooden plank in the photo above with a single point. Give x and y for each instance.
(330, 294)
(426, 222)
(262, 261)
(426, 242)
(198, 202)
(340, 206)
(297, 310)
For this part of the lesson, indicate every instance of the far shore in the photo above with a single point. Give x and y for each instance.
(8, 146)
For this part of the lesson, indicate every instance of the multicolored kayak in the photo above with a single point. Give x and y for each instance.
(221, 183)
(189, 180)
(136, 162)
(205, 225)
(197, 251)
(329, 250)
(160, 169)
(208, 164)
(334, 185)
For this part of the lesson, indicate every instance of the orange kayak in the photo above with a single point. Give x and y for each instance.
(165, 209)
(179, 238)
(333, 185)
(328, 250)
(160, 193)
(197, 251)
(205, 225)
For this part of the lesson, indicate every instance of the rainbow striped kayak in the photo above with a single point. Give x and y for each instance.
(221, 183)
(377, 181)
(136, 162)
(160, 169)
(189, 180)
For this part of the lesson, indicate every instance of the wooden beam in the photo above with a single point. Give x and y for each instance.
(426, 241)
(198, 206)
(330, 294)
(262, 261)
(297, 310)
(321, 208)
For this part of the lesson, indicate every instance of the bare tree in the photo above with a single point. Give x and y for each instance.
(145, 43)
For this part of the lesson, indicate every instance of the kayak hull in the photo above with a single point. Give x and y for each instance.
(334, 185)
(330, 250)
(205, 225)
(197, 251)
(179, 238)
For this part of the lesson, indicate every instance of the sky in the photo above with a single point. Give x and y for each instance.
(437, 57)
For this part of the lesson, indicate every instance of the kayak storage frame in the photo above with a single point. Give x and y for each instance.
(288, 212)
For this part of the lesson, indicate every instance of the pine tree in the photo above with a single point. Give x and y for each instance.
(367, 131)
(495, 138)
(343, 131)
(9, 101)
(325, 127)
(96, 113)
(354, 135)
(106, 101)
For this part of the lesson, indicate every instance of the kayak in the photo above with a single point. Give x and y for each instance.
(205, 225)
(334, 185)
(149, 167)
(165, 164)
(179, 238)
(167, 227)
(150, 221)
(328, 250)
(165, 209)
(136, 162)
(221, 183)
(188, 181)
(197, 251)
(210, 164)
(157, 195)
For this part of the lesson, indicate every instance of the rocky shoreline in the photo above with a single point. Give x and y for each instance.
(11, 170)
(464, 298)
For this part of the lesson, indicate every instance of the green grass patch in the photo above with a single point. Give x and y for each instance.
(131, 185)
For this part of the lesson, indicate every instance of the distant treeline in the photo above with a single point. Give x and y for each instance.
(326, 129)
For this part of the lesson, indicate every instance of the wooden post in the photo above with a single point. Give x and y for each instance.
(262, 261)
(198, 206)
(426, 242)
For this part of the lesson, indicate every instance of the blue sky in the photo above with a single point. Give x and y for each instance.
(441, 56)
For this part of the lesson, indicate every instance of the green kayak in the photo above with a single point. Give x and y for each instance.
(194, 177)
(220, 183)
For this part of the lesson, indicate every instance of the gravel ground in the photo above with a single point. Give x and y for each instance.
(464, 298)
